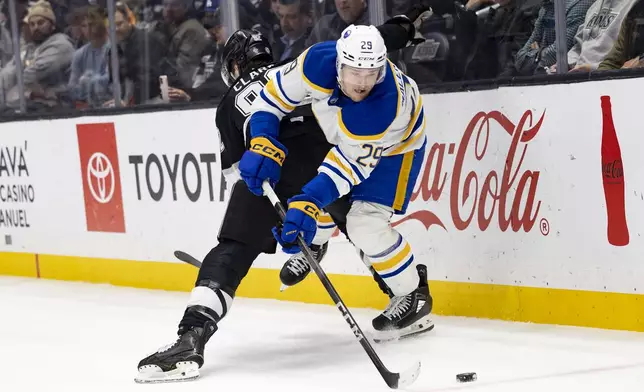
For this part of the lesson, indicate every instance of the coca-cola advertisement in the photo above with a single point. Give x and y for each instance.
(527, 193)
(613, 178)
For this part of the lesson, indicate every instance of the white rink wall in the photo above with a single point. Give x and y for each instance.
(511, 193)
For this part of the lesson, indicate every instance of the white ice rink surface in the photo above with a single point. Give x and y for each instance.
(61, 336)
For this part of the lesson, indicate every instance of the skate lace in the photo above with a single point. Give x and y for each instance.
(168, 346)
(397, 307)
(298, 264)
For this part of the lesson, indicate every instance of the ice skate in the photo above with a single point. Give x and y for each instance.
(297, 268)
(406, 315)
(179, 361)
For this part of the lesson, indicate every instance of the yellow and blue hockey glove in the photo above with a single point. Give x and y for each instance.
(262, 161)
(301, 217)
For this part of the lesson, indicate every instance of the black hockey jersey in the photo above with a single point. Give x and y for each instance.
(234, 111)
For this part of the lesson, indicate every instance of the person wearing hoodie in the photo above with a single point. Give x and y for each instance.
(628, 50)
(539, 53)
(46, 68)
(597, 35)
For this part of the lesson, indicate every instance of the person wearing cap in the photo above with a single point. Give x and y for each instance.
(46, 68)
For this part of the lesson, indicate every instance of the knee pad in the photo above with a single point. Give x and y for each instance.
(325, 229)
(209, 299)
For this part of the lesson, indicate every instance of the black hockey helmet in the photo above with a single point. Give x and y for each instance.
(242, 47)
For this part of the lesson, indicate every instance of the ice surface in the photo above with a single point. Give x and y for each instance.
(72, 337)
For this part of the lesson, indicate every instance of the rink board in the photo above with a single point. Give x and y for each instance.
(508, 214)
(527, 304)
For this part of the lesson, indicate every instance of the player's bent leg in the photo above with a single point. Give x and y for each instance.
(210, 301)
(390, 255)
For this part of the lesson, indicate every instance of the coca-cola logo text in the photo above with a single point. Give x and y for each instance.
(488, 197)
(613, 169)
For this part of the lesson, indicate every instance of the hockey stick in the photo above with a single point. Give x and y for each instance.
(186, 258)
(393, 380)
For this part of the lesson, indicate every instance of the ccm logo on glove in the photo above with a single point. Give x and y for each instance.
(309, 208)
(263, 146)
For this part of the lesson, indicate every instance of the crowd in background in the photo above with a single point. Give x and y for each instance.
(65, 50)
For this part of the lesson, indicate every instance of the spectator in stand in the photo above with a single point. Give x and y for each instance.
(61, 10)
(295, 21)
(398, 7)
(139, 69)
(46, 68)
(597, 35)
(186, 39)
(268, 22)
(207, 81)
(89, 78)
(77, 26)
(6, 46)
(392, 7)
(500, 34)
(539, 52)
(329, 27)
(628, 50)
(6, 43)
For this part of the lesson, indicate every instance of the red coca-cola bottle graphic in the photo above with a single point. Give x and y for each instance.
(613, 178)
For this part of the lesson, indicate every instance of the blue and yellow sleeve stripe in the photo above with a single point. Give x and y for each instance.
(344, 174)
(414, 132)
(274, 98)
(325, 221)
(278, 82)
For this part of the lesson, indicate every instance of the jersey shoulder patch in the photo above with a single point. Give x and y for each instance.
(370, 119)
(318, 68)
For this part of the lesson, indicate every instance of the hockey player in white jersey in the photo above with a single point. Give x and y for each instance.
(373, 115)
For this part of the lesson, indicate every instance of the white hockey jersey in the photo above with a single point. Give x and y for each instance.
(389, 121)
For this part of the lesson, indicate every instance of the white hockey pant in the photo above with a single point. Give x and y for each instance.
(368, 226)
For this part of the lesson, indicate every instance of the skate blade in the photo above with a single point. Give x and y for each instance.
(185, 371)
(424, 324)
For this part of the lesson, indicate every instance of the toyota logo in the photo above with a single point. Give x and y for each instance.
(99, 169)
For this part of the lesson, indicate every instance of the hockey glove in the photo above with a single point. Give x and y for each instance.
(301, 217)
(262, 161)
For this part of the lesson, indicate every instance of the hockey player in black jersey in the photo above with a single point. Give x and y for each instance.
(247, 67)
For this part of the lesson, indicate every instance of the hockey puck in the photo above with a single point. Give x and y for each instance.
(466, 377)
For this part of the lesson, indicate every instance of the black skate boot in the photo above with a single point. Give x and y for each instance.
(406, 315)
(179, 361)
(296, 267)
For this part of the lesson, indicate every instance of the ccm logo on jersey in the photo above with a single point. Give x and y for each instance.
(264, 147)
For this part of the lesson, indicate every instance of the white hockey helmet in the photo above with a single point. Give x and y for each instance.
(361, 47)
